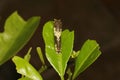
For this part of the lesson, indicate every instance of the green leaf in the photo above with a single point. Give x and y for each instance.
(88, 54)
(28, 56)
(23, 67)
(40, 55)
(58, 60)
(43, 67)
(16, 34)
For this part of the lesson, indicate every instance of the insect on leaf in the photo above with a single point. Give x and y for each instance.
(58, 60)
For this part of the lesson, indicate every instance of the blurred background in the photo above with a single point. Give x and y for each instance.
(90, 19)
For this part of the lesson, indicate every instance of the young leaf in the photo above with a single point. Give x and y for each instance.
(28, 56)
(58, 60)
(88, 54)
(40, 55)
(23, 67)
(74, 54)
(16, 34)
(43, 67)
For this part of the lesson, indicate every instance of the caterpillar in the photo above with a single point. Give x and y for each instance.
(57, 35)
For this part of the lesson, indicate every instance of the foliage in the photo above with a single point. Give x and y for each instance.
(25, 68)
(84, 57)
(87, 55)
(58, 60)
(18, 32)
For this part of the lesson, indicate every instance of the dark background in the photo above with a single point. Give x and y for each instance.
(90, 19)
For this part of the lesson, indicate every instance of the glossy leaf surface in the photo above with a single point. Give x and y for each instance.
(87, 55)
(23, 67)
(16, 34)
(58, 60)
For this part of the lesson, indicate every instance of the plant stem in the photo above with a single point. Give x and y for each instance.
(69, 74)
(43, 68)
(62, 78)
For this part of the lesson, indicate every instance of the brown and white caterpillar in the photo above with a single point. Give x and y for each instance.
(57, 35)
